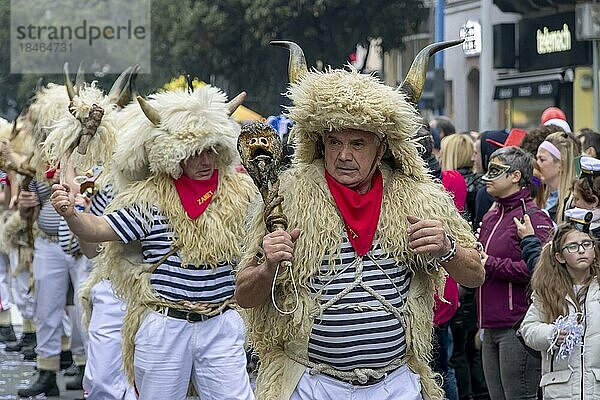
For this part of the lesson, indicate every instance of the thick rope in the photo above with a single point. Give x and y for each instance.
(208, 309)
(275, 219)
(362, 375)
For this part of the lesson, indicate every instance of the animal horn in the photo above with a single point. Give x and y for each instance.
(297, 66)
(39, 85)
(149, 111)
(130, 92)
(79, 78)
(68, 83)
(234, 103)
(119, 85)
(190, 83)
(414, 82)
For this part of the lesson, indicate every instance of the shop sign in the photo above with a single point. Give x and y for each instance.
(533, 90)
(553, 41)
(550, 42)
(471, 32)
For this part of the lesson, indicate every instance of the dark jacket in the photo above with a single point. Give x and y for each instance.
(503, 298)
(483, 201)
(474, 183)
(531, 247)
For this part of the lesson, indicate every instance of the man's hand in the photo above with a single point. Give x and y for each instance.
(524, 228)
(27, 200)
(279, 246)
(427, 236)
(63, 200)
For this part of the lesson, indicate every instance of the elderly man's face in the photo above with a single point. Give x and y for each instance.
(201, 166)
(351, 156)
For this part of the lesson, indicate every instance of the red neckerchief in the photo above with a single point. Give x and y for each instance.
(50, 172)
(359, 211)
(196, 195)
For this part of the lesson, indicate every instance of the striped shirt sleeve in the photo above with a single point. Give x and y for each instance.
(101, 200)
(129, 223)
(68, 242)
(41, 190)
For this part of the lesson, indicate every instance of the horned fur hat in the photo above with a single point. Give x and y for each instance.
(174, 126)
(64, 136)
(86, 130)
(338, 99)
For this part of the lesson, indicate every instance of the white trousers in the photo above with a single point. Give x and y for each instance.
(104, 378)
(51, 270)
(401, 384)
(21, 296)
(168, 351)
(4, 282)
(78, 336)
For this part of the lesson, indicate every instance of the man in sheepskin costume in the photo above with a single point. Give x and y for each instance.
(52, 268)
(370, 238)
(82, 137)
(175, 233)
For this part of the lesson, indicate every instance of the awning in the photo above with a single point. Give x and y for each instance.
(245, 114)
(542, 85)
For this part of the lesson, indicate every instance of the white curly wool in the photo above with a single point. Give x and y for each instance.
(64, 134)
(5, 128)
(49, 105)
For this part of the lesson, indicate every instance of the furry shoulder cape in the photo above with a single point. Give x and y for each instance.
(309, 206)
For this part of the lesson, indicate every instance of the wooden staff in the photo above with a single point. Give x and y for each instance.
(261, 153)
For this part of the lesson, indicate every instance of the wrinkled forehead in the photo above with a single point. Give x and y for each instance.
(350, 134)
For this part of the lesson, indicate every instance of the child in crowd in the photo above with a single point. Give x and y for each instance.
(586, 195)
(565, 285)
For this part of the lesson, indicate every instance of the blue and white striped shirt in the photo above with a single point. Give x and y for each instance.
(49, 219)
(357, 331)
(68, 242)
(196, 283)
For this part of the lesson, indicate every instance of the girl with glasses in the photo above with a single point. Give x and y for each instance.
(565, 282)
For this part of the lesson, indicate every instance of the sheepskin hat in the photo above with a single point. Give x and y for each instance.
(49, 104)
(341, 99)
(174, 126)
(338, 99)
(65, 133)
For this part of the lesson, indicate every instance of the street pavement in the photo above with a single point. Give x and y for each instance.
(16, 374)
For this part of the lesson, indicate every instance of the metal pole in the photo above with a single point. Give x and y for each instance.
(439, 56)
(595, 44)
(439, 31)
(486, 76)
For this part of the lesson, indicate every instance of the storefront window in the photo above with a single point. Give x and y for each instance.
(525, 113)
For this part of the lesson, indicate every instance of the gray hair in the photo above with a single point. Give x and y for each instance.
(518, 160)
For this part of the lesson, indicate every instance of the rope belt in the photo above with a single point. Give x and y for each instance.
(48, 237)
(200, 311)
(358, 376)
(188, 310)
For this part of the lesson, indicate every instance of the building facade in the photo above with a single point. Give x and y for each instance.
(538, 62)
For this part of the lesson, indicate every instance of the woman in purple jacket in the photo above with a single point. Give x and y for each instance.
(510, 371)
